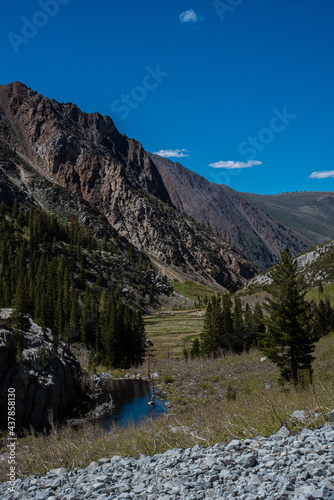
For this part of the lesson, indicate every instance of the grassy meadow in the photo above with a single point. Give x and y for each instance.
(315, 295)
(170, 331)
(193, 290)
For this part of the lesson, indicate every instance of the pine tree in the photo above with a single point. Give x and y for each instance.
(85, 317)
(139, 338)
(227, 323)
(43, 273)
(20, 305)
(248, 329)
(3, 209)
(212, 334)
(238, 326)
(109, 331)
(15, 209)
(289, 340)
(259, 327)
(323, 318)
(195, 350)
(72, 331)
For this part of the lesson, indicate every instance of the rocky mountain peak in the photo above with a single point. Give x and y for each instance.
(57, 136)
(86, 155)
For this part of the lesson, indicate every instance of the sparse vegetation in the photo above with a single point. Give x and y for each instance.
(200, 403)
(172, 332)
(230, 395)
(314, 294)
(168, 379)
(194, 291)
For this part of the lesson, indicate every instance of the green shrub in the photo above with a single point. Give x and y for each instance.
(231, 393)
(168, 379)
(44, 358)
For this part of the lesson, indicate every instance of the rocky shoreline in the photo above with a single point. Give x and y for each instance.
(281, 466)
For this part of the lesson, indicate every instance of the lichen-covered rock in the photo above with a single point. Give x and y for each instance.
(45, 376)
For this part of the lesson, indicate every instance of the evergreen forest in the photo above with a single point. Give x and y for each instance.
(68, 281)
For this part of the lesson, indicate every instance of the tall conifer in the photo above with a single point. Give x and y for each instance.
(289, 340)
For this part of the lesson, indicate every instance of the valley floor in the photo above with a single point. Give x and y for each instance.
(211, 401)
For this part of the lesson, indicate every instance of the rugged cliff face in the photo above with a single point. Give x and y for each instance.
(229, 214)
(19, 179)
(84, 151)
(85, 154)
(45, 377)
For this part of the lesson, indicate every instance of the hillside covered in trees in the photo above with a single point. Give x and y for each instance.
(81, 288)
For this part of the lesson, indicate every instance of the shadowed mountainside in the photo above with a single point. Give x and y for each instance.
(228, 213)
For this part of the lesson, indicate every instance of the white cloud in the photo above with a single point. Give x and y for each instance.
(322, 175)
(172, 153)
(234, 164)
(190, 16)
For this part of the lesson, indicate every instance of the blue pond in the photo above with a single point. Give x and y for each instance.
(131, 398)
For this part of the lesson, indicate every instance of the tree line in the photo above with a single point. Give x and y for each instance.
(228, 327)
(286, 333)
(44, 271)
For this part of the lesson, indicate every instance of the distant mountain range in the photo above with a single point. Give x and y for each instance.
(261, 226)
(309, 214)
(78, 164)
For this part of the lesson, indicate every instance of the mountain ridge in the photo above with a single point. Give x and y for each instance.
(310, 214)
(85, 154)
(228, 213)
(316, 266)
(188, 226)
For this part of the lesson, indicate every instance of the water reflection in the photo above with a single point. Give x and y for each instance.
(131, 398)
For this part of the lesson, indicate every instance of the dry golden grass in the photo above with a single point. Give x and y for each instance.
(212, 401)
(169, 332)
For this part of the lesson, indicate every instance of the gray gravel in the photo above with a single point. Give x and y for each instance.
(281, 466)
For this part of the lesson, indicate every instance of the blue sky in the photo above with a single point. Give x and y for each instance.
(240, 91)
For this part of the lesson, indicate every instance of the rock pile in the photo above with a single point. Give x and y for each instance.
(281, 466)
